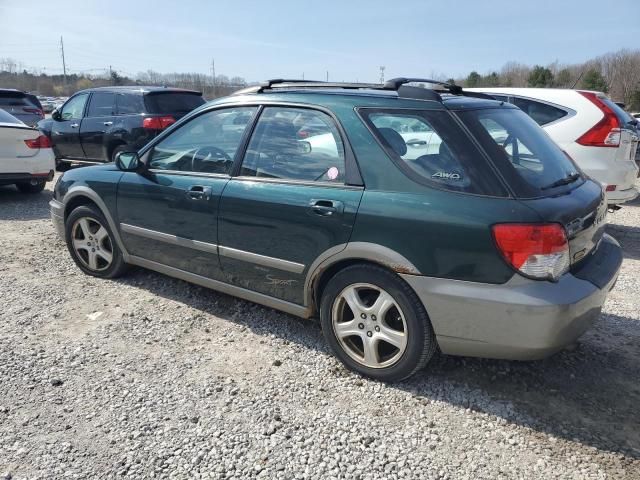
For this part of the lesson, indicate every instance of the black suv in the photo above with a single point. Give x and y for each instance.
(95, 124)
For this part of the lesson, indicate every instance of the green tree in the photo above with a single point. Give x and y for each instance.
(491, 80)
(564, 78)
(473, 79)
(540, 77)
(115, 78)
(451, 81)
(593, 80)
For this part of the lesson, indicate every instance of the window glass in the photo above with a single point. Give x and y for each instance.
(8, 118)
(101, 105)
(295, 144)
(129, 104)
(74, 108)
(172, 102)
(430, 147)
(524, 153)
(207, 144)
(542, 113)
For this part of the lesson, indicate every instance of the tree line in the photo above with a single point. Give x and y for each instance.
(615, 73)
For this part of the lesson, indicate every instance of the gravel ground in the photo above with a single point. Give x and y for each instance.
(150, 377)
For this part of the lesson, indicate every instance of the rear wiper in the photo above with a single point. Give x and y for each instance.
(572, 177)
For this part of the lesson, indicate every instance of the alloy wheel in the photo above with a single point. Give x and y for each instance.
(92, 243)
(369, 325)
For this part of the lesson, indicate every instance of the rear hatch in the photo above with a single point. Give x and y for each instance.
(541, 176)
(20, 106)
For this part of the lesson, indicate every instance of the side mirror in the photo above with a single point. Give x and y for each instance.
(56, 115)
(128, 161)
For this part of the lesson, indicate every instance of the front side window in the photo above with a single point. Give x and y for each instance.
(530, 161)
(542, 113)
(74, 108)
(295, 144)
(101, 105)
(431, 148)
(207, 144)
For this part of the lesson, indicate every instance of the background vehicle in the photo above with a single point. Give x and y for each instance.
(595, 132)
(94, 125)
(23, 106)
(26, 159)
(397, 254)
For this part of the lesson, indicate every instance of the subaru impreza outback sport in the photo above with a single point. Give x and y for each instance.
(310, 198)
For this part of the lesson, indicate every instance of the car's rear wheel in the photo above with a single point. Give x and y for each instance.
(33, 186)
(375, 323)
(92, 244)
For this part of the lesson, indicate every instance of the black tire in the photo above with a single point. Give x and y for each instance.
(117, 266)
(62, 166)
(31, 187)
(117, 150)
(420, 340)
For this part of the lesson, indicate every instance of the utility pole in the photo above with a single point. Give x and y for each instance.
(213, 76)
(382, 67)
(327, 75)
(64, 65)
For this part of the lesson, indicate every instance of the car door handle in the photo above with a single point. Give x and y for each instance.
(108, 124)
(326, 208)
(74, 125)
(199, 192)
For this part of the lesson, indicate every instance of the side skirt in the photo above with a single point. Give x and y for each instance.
(239, 292)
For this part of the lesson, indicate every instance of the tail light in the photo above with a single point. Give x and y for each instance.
(41, 142)
(539, 251)
(605, 133)
(303, 134)
(158, 123)
(611, 188)
(37, 111)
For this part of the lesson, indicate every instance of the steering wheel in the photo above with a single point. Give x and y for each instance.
(211, 153)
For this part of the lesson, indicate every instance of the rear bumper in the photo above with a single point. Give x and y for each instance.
(521, 319)
(25, 177)
(56, 209)
(618, 197)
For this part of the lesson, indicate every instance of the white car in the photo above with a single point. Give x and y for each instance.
(26, 157)
(595, 132)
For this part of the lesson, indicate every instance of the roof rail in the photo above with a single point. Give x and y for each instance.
(396, 83)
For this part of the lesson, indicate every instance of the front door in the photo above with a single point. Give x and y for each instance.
(98, 120)
(288, 204)
(169, 214)
(65, 133)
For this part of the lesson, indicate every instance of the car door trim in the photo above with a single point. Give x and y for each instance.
(229, 252)
(283, 305)
(168, 238)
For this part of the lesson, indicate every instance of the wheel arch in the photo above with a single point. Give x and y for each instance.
(112, 145)
(342, 256)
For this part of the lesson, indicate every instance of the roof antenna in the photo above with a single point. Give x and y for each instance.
(577, 80)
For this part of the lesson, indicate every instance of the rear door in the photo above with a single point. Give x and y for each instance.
(96, 124)
(65, 133)
(288, 204)
(169, 215)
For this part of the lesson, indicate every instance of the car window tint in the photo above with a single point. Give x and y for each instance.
(11, 99)
(295, 144)
(101, 105)
(208, 143)
(431, 148)
(129, 104)
(542, 113)
(8, 118)
(172, 102)
(74, 108)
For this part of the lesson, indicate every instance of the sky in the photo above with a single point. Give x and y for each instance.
(287, 39)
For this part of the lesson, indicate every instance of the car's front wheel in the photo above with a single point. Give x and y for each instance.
(375, 323)
(92, 244)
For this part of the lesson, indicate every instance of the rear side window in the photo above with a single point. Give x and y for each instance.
(431, 148)
(129, 104)
(295, 144)
(525, 155)
(542, 113)
(102, 104)
(172, 102)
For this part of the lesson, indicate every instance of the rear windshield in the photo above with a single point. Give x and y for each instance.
(529, 160)
(13, 99)
(624, 117)
(172, 102)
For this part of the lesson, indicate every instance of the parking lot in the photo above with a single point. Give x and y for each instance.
(151, 377)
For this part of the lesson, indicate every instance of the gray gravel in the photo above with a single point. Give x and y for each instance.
(150, 377)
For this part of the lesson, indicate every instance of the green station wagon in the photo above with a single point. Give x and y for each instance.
(407, 219)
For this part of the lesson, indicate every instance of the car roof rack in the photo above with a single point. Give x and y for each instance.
(398, 85)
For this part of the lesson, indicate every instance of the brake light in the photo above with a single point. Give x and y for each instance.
(158, 123)
(41, 142)
(611, 188)
(539, 251)
(605, 133)
(37, 111)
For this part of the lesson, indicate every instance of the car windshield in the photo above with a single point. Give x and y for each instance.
(528, 159)
(172, 102)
